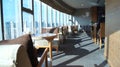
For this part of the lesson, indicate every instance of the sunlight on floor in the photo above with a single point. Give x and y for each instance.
(63, 58)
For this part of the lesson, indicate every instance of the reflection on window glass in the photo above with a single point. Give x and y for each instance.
(27, 4)
(54, 17)
(70, 17)
(12, 18)
(28, 22)
(37, 17)
(61, 19)
(73, 20)
(64, 19)
(49, 16)
(67, 19)
(57, 22)
(44, 15)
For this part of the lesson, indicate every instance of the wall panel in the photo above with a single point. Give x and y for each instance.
(113, 32)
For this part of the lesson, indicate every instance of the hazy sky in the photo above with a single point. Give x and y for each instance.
(8, 10)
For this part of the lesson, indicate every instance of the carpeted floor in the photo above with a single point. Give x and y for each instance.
(79, 51)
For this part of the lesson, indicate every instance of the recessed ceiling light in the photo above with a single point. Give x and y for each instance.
(82, 4)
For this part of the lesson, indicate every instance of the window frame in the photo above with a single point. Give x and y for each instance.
(27, 10)
(1, 15)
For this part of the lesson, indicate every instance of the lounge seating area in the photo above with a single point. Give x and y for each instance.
(27, 50)
(24, 49)
(59, 33)
(24, 55)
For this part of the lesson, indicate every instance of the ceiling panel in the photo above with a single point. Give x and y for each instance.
(84, 3)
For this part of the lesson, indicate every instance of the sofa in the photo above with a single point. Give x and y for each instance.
(26, 42)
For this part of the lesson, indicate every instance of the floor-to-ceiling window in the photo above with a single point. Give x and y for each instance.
(70, 20)
(12, 18)
(37, 17)
(22, 16)
(44, 15)
(28, 22)
(64, 15)
(73, 20)
(57, 19)
(27, 12)
(49, 16)
(54, 18)
(67, 19)
(61, 19)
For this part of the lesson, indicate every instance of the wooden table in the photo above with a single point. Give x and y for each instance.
(49, 37)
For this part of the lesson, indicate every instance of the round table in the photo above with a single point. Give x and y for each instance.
(49, 37)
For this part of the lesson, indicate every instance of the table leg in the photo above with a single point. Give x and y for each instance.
(50, 49)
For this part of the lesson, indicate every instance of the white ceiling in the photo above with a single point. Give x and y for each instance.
(83, 3)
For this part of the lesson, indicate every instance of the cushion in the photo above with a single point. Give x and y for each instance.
(8, 55)
(6, 63)
(26, 41)
(14, 56)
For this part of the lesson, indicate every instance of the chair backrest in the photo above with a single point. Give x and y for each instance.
(65, 30)
(26, 41)
(74, 28)
(102, 29)
(55, 31)
(22, 58)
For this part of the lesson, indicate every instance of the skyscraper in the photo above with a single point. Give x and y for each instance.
(10, 29)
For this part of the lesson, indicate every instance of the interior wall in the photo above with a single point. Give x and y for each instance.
(113, 32)
(82, 16)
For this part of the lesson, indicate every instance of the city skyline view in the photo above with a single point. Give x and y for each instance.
(32, 19)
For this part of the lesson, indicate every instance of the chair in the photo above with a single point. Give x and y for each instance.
(56, 40)
(27, 43)
(74, 29)
(93, 32)
(101, 33)
(64, 32)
